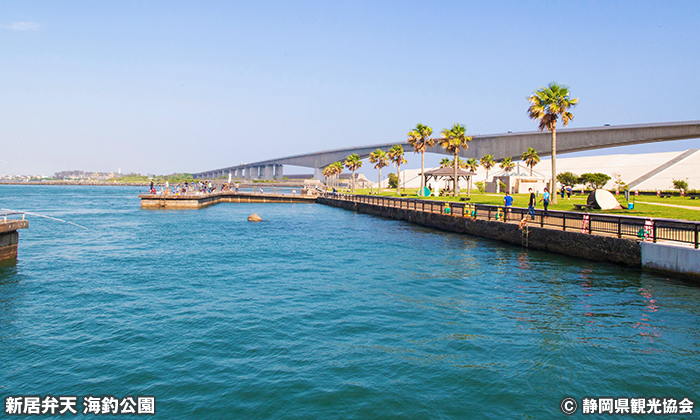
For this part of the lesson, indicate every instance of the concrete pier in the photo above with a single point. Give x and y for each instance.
(671, 259)
(198, 201)
(9, 238)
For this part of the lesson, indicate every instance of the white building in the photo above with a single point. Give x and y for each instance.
(644, 171)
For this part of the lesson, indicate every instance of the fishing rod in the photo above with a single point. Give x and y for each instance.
(46, 217)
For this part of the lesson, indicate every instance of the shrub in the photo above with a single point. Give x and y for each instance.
(680, 183)
(568, 178)
(393, 181)
(594, 180)
(480, 186)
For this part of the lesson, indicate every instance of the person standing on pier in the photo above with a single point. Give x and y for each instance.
(507, 203)
(545, 201)
(531, 205)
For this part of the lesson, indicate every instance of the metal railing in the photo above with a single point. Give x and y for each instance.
(641, 228)
(4, 215)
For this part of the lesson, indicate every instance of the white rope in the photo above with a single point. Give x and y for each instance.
(47, 217)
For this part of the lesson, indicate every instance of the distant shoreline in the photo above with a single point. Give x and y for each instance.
(243, 184)
(91, 183)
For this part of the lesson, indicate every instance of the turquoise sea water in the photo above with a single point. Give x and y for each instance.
(322, 313)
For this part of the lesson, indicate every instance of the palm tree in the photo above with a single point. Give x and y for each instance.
(507, 164)
(338, 169)
(419, 139)
(380, 159)
(548, 104)
(472, 165)
(488, 163)
(453, 139)
(531, 158)
(353, 162)
(328, 173)
(460, 163)
(396, 156)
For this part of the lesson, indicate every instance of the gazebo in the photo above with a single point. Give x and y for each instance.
(447, 172)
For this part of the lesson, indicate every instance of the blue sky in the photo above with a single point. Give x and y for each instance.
(171, 86)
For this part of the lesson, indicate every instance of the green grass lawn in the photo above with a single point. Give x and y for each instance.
(521, 200)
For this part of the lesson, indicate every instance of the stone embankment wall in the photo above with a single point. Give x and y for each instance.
(592, 247)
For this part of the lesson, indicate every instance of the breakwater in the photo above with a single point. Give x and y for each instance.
(572, 243)
(198, 201)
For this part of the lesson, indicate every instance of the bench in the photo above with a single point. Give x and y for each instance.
(464, 198)
(580, 206)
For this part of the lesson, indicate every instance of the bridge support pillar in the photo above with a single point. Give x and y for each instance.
(268, 172)
(318, 174)
(279, 174)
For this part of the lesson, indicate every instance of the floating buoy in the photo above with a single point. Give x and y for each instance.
(254, 218)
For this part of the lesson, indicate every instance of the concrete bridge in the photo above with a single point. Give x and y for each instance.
(499, 145)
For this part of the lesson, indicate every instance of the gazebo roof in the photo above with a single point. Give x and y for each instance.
(442, 172)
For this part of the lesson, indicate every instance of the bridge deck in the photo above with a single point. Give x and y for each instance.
(198, 201)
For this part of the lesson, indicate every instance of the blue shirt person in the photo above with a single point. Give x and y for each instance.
(508, 202)
(545, 201)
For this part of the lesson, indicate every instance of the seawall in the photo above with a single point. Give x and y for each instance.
(592, 247)
(671, 259)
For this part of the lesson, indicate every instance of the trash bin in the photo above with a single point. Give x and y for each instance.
(630, 206)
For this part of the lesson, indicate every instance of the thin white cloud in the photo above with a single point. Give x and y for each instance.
(23, 26)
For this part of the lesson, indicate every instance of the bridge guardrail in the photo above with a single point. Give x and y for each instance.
(635, 227)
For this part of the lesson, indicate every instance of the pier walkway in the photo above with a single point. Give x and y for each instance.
(198, 201)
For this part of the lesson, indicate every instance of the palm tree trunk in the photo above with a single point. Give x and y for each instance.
(422, 169)
(455, 179)
(398, 179)
(554, 166)
(353, 181)
(380, 180)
